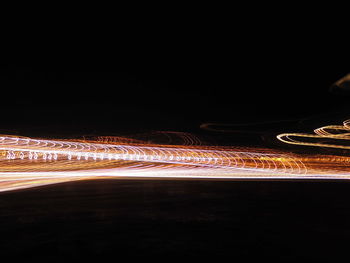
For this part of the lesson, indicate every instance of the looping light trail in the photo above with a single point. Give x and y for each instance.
(336, 135)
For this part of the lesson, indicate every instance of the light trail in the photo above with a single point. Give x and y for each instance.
(337, 136)
(28, 162)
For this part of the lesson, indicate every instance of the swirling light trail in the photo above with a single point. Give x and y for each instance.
(337, 134)
(27, 162)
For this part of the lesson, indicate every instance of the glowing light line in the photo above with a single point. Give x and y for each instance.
(326, 132)
(26, 162)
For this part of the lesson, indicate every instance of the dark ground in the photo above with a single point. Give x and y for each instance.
(287, 221)
(105, 84)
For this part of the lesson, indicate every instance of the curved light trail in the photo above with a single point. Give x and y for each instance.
(28, 162)
(333, 136)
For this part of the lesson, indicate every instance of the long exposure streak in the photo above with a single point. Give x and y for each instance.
(27, 162)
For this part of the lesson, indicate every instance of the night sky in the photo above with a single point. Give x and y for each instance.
(170, 87)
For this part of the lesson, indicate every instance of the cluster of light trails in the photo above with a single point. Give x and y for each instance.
(331, 136)
(28, 162)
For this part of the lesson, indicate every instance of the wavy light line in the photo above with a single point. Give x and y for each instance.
(336, 133)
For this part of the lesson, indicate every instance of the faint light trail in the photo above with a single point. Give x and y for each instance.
(28, 162)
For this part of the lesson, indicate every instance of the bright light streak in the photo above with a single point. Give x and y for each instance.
(27, 162)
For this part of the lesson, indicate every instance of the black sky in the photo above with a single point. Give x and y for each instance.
(164, 78)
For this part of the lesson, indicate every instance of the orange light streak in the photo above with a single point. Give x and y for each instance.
(28, 162)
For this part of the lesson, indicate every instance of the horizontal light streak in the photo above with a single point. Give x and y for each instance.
(26, 162)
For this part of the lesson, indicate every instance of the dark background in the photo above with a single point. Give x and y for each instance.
(111, 82)
(168, 79)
